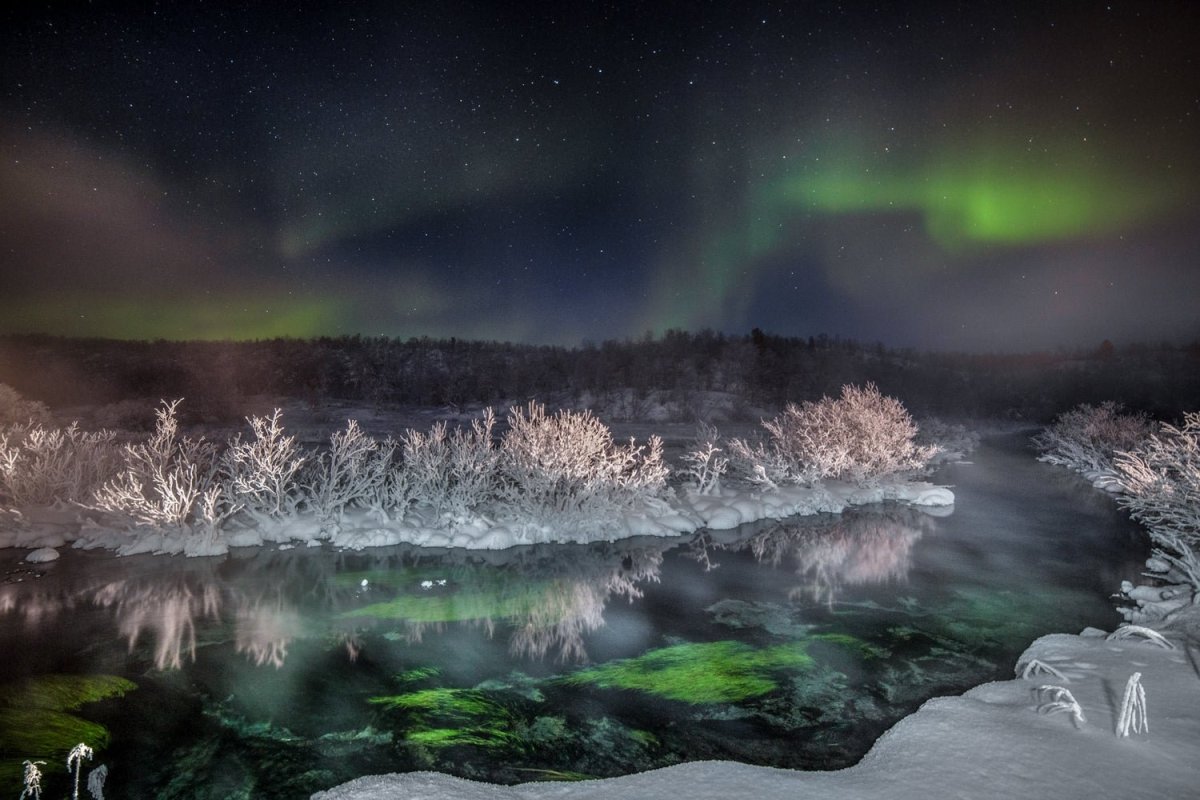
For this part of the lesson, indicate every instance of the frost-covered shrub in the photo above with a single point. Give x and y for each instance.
(1087, 438)
(860, 437)
(1161, 482)
(705, 462)
(261, 472)
(568, 464)
(41, 466)
(352, 472)
(167, 480)
(451, 473)
(16, 409)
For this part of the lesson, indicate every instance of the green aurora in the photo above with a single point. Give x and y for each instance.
(150, 317)
(992, 192)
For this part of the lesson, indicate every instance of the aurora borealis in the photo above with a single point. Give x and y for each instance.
(940, 175)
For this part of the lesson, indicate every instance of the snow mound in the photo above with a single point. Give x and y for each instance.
(42, 555)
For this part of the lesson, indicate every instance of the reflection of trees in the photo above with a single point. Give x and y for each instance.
(35, 606)
(859, 548)
(550, 596)
(264, 627)
(165, 611)
(576, 606)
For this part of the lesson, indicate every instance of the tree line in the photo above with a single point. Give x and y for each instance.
(759, 370)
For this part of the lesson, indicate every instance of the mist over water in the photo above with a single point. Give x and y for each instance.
(776, 643)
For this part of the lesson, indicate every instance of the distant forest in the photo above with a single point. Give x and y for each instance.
(753, 372)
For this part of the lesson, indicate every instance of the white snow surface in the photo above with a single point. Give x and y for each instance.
(684, 512)
(990, 742)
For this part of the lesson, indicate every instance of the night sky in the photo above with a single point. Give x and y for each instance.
(958, 176)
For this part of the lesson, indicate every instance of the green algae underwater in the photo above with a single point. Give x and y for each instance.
(36, 723)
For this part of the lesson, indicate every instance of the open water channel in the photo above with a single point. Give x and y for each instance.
(275, 673)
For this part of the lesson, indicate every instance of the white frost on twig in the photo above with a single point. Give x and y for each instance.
(1034, 667)
(1056, 699)
(1148, 634)
(1133, 708)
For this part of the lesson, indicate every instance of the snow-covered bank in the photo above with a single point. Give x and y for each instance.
(686, 512)
(991, 742)
(557, 477)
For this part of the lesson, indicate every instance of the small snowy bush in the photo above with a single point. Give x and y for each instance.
(32, 778)
(568, 464)
(352, 472)
(261, 472)
(75, 759)
(166, 480)
(453, 474)
(859, 437)
(1087, 438)
(41, 466)
(1161, 478)
(705, 464)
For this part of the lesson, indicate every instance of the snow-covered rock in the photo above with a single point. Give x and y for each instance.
(42, 555)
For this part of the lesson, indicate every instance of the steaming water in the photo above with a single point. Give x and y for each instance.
(796, 644)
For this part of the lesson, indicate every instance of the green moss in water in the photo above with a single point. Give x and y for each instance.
(63, 692)
(417, 675)
(439, 718)
(712, 672)
(444, 702)
(34, 723)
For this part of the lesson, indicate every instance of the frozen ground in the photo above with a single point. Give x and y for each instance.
(42, 530)
(991, 742)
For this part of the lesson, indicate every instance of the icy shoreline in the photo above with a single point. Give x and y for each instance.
(989, 742)
(43, 530)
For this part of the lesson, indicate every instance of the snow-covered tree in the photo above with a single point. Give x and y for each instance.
(1161, 479)
(705, 463)
(861, 436)
(261, 472)
(41, 466)
(164, 480)
(352, 472)
(452, 473)
(567, 464)
(1087, 438)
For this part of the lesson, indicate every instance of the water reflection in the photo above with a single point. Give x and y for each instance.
(264, 626)
(828, 554)
(545, 599)
(166, 612)
(858, 550)
(549, 598)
